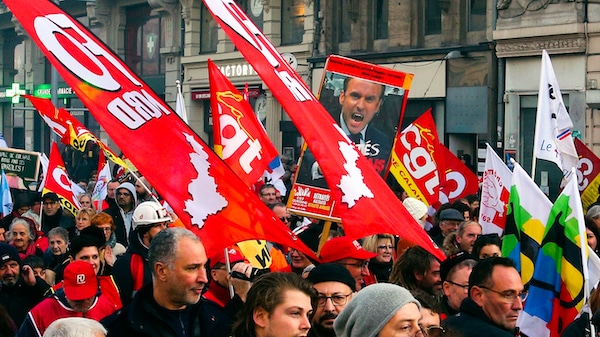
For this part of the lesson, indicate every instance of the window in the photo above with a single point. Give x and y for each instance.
(477, 9)
(433, 17)
(208, 31)
(254, 9)
(381, 19)
(345, 26)
(144, 36)
(292, 21)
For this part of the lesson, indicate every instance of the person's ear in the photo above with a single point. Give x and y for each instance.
(161, 271)
(260, 317)
(446, 287)
(476, 295)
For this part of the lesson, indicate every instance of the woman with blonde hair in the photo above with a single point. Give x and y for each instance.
(85, 201)
(380, 266)
(82, 220)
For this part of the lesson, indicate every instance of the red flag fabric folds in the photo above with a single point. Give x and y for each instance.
(367, 205)
(58, 181)
(208, 198)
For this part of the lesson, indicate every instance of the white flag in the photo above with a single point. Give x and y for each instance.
(553, 141)
(495, 191)
(180, 104)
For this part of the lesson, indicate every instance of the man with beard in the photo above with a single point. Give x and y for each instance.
(122, 211)
(335, 287)
(143, 193)
(79, 297)
(131, 271)
(170, 305)
(21, 290)
(417, 269)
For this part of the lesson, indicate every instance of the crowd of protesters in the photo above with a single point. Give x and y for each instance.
(129, 264)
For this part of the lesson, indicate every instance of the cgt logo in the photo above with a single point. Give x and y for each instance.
(419, 161)
(96, 66)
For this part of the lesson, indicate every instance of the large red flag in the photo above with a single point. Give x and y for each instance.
(588, 174)
(417, 161)
(205, 194)
(367, 205)
(460, 180)
(240, 139)
(58, 181)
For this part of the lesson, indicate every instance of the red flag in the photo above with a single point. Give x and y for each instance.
(201, 189)
(460, 180)
(240, 139)
(367, 205)
(58, 181)
(69, 129)
(417, 161)
(588, 174)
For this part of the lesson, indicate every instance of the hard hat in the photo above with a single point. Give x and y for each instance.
(149, 212)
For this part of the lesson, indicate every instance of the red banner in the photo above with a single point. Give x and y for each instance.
(205, 194)
(58, 181)
(460, 180)
(240, 139)
(588, 174)
(417, 160)
(367, 205)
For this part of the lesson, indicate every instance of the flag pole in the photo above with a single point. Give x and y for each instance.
(324, 236)
(228, 266)
(533, 162)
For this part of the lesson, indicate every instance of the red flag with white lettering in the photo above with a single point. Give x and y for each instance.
(240, 139)
(58, 181)
(588, 174)
(417, 162)
(367, 205)
(460, 180)
(208, 198)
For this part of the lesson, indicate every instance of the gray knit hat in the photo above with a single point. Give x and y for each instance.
(370, 310)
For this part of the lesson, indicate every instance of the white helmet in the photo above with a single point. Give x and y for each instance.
(149, 212)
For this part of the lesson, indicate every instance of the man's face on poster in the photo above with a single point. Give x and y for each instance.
(360, 101)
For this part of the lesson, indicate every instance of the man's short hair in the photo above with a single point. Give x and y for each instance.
(82, 241)
(165, 246)
(348, 79)
(277, 204)
(75, 327)
(265, 186)
(415, 259)
(34, 261)
(267, 293)
(61, 232)
(481, 274)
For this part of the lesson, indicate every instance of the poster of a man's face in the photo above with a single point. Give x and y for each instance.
(366, 102)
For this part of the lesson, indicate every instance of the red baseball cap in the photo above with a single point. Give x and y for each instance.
(344, 248)
(80, 281)
(234, 256)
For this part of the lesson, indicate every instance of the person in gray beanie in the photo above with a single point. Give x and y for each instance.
(376, 311)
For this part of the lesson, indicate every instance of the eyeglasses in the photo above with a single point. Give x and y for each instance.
(361, 265)
(286, 219)
(337, 299)
(510, 295)
(268, 194)
(51, 203)
(123, 194)
(464, 286)
(384, 247)
(433, 331)
(106, 229)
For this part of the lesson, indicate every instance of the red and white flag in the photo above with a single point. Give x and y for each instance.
(495, 191)
(58, 181)
(206, 195)
(460, 180)
(588, 174)
(239, 136)
(417, 160)
(367, 205)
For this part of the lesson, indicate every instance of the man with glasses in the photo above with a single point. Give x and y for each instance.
(268, 194)
(495, 299)
(455, 271)
(131, 271)
(450, 218)
(53, 215)
(350, 254)
(335, 287)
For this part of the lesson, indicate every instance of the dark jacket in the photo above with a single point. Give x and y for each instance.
(144, 317)
(60, 219)
(20, 298)
(473, 322)
(123, 272)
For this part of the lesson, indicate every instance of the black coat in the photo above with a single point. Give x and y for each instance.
(472, 322)
(122, 270)
(144, 318)
(20, 298)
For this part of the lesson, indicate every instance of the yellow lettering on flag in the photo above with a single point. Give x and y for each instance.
(590, 194)
(399, 171)
(256, 252)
